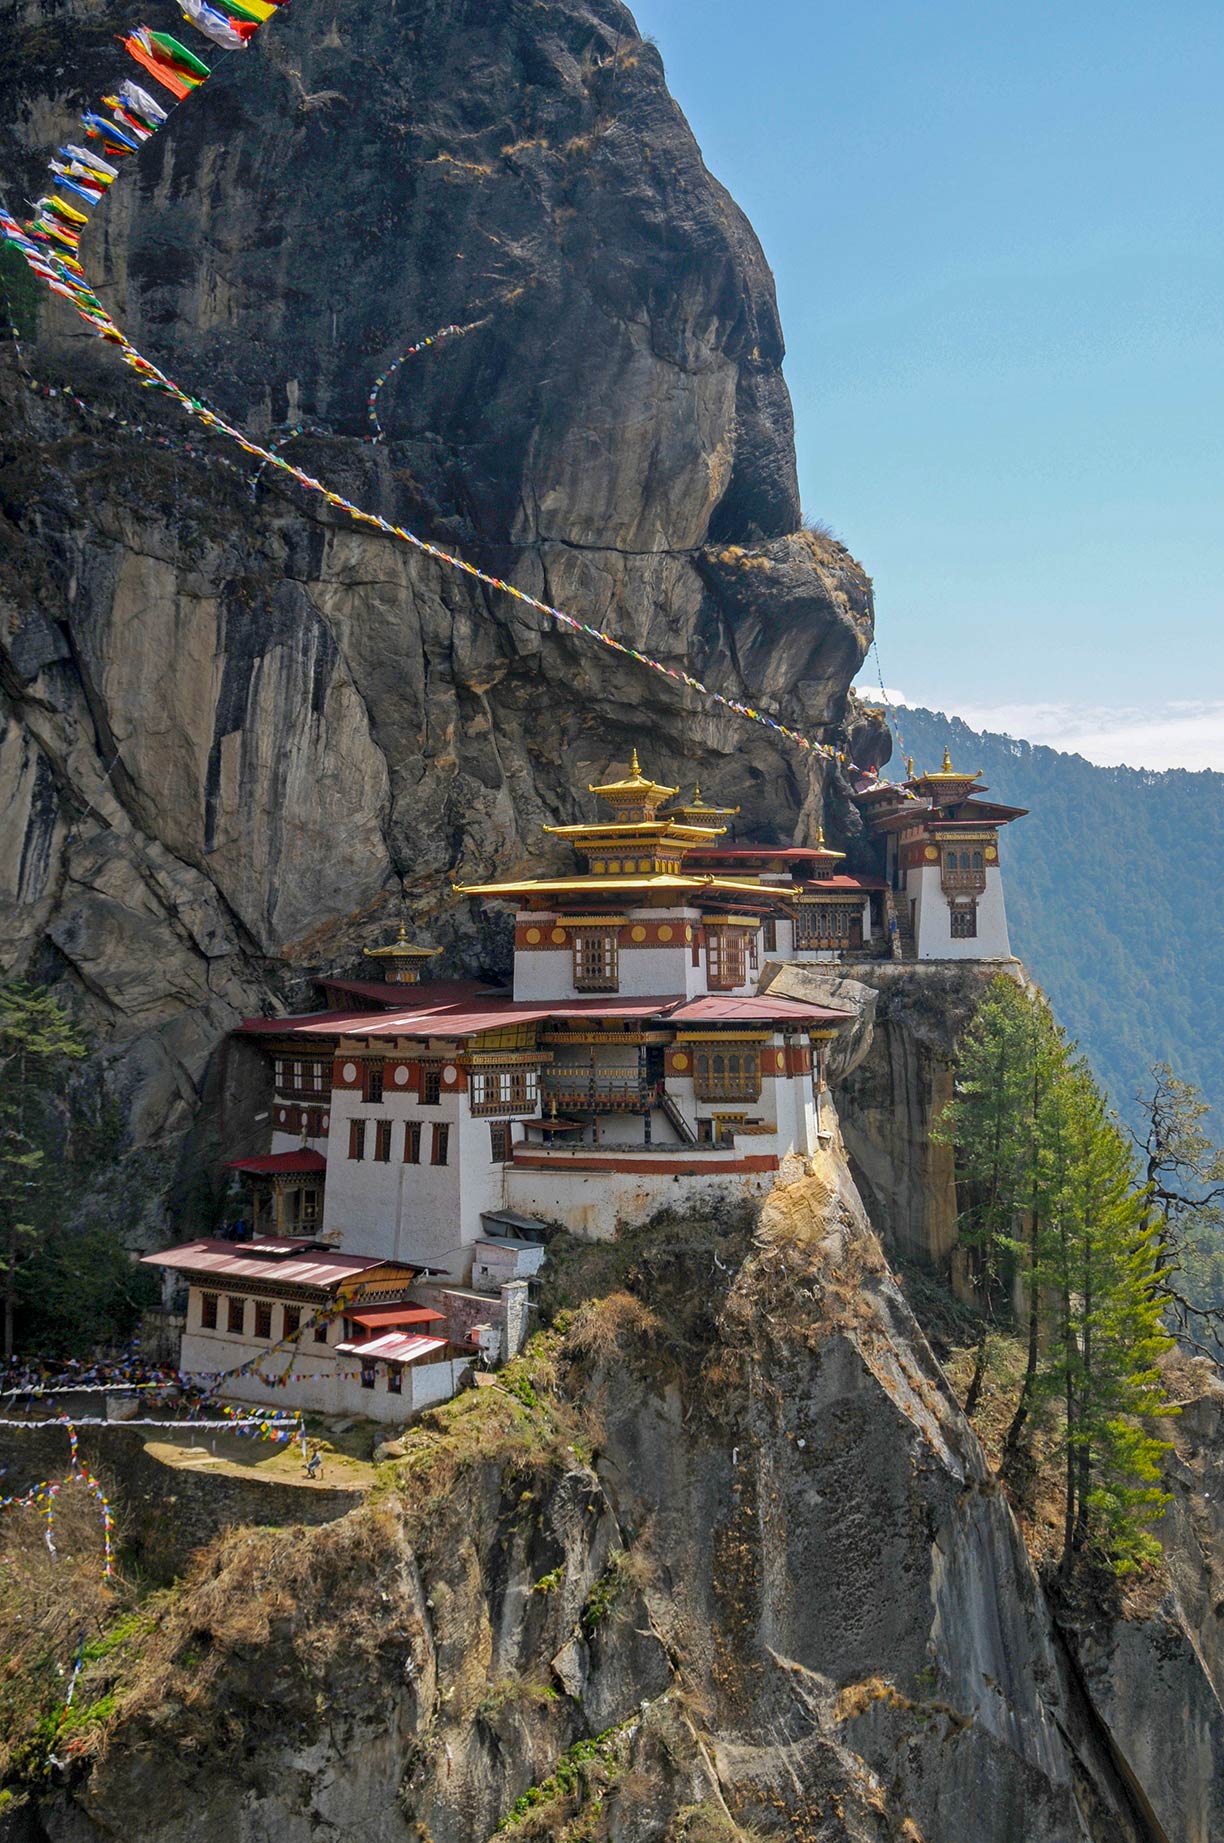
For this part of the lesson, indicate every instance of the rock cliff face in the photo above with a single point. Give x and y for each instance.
(233, 724)
(722, 1560)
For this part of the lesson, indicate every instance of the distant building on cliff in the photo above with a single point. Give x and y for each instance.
(435, 1128)
(940, 849)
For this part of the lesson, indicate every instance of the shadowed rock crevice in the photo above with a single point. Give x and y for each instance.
(295, 714)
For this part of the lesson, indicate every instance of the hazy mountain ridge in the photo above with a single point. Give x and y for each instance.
(1114, 890)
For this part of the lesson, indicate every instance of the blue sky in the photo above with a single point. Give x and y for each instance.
(996, 233)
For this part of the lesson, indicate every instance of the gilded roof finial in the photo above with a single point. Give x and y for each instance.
(909, 766)
(820, 838)
(696, 793)
(947, 762)
(633, 766)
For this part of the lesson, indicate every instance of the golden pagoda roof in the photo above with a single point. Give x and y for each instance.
(698, 805)
(667, 883)
(636, 786)
(826, 851)
(946, 773)
(662, 828)
(401, 948)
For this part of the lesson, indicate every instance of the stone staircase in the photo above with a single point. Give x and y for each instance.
(896, 909)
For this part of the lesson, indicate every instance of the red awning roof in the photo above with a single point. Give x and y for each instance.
(761, 1008)
(782, 852)
(467, 1020)
(396, 1315)
(460, 1020)
(300, 1263)
(303, 1160)
(844, 884)
(392, 1347)
(429, 991)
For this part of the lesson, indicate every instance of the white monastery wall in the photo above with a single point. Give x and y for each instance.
(933, 923)
(594, 1203)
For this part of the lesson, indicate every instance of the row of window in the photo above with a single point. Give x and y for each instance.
(821, 924)
(429, 1091)
(729, 953)
(235, 1314)
(503, 1090)
(439, 1145)
(727, 1074)
(379, 1143)
(306, 1077)
(963, 860)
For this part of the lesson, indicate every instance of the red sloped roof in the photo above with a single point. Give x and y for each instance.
(274, 1163)
(393, 1348)
(762, 1008)
(396, 1315)
(428, 992)
(844, 884)
(305, 1264)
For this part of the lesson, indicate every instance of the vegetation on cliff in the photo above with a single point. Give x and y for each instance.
(66, 1280)
(1056, 1208)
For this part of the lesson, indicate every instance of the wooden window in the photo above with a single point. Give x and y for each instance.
(312, 1201)
(320, 1332)
(208, 1311)
(499, 1141)
(596, 966)
(235, 1315)
(357, 1138)
(412, 1142)
(367, 1375)
(431, 1084)
(395, 1379)
(263, 1318)
(382, 1142)
(441, 1144)
(503, 1090)
(827, 924)
(372, 1081)
(964, 921)
(732, 1073)
(726, 958)
(292, 1321)
(769, 935)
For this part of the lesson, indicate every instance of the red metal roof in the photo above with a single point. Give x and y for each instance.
(394, 1348)
(467, 1020)
(784, 852)
(302, 1160)
(429, 991)
(763, 1008)
(396, 1315)
(301, 1263)
(839, 883)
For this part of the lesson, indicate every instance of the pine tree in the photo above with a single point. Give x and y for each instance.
(37, 1040)
(1098, 1280)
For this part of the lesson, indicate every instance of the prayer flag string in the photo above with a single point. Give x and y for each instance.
(50, 241)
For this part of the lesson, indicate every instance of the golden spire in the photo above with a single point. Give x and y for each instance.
(403, 959)
(633, 766)
(947, 761)
(909, 766)
(820, 839)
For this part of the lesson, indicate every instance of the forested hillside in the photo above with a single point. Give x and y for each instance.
(1115, 890)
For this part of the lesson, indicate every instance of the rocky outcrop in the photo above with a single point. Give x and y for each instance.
(232, 723)
(893, 1075)
(719, 1557)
